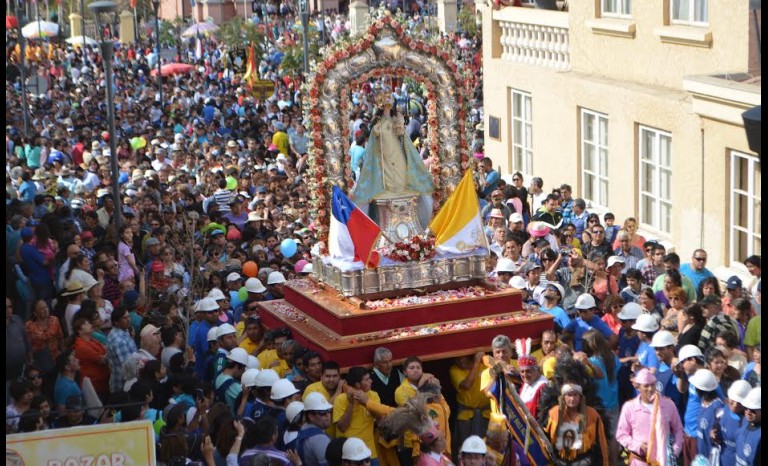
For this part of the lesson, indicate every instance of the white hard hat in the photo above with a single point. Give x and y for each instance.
(253, 285)
(239, 355)
(293, 410)
(630, 311)
(517, 282)
(249, 377)
(646, 323)
(613, 260)
(754, 399)
(558, 287)
(505, 265)
(688, 352)
(225, 329)
(216, 294)
(474, 444)
(662, 339)
(315, 401)
(207, 305)
(355, 449)
(308, 268)
(704, 380)
(233, 277)
(213, 334)
(739, 390)
(275, 278)
(585, 301)
(283, 388)
(253, 362)
(267, 378)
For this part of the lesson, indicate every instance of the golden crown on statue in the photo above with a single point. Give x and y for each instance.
(383, 99)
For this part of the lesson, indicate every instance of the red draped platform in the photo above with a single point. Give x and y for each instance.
(451, 324)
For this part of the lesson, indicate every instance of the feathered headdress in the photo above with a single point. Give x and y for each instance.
(411, 416)
(524, 358)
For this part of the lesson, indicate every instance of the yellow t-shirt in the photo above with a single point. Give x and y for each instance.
(319, 388)
(249, 345)
(440, 413)
(267, 357)
(361, 423)
(280, 140)
(472, 397)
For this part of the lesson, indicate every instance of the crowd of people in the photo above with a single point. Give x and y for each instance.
(649, 361)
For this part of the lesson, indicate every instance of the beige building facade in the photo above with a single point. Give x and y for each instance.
(637, 105)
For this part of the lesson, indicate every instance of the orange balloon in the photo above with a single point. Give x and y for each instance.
(250, 269)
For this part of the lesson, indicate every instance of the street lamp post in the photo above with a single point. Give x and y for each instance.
(304, 12)
(107, 49)
(156, 4)
(82, 31)
(23, 71)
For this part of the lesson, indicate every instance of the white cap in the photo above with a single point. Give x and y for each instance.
(207, 305)
(559, 288)
(225, 329)
(630, 311)
(254, 217)
(253, 285)
(275, 278)
(754, 399)
(315, 401)
(293, 410)
(267, 378)
(662, 339)
(216, 294)
(704, 380)
(505, 265)
(517, 282)
(355, 449)
(585, 301)
(514, 218)
(646, 323)
(613, 260)
(212, 334)
(239, 355)
(739, 390)
(249, 377)
(233, 277)
(308, 269)
(283, 388)
(253, 362)
(474, 444)
(688, 352)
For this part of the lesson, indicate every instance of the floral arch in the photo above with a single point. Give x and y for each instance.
(385, 50)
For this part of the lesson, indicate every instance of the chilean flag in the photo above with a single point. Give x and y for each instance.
(352, 235)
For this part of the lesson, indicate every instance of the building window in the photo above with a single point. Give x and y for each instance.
(655, 179)
(522, 132)
(746, 221)
(690, 12)
(594, 157)
(621, 8)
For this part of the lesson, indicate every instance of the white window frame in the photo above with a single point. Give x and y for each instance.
(623, 8)
(600, 145)
(655, 195)
(691, 19)
(753, 197)
(524, 141)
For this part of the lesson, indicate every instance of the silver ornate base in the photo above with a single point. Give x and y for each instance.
(407, 275)
(397, 218)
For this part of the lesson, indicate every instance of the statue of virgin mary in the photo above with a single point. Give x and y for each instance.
(392, 167)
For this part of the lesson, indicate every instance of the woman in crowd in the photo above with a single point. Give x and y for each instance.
(709, 286)
(649, 428)
(690, 323)
(630, 226)
(45, 336)
(677, 300)
(717, 363)
(92, 356)
(649, 304)
(22, 393)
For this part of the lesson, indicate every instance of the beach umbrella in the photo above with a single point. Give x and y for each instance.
(77, 41)
(199, 29)
(40, 29)
(172, 69)
(11, 22)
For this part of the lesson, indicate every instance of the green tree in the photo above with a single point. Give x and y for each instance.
(468, 22)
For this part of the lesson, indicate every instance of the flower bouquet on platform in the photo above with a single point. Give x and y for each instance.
(417, 249)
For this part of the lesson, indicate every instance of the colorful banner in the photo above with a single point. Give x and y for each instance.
(517, 421)
(124, 444)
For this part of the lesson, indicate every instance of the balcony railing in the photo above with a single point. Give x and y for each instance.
(534, 37)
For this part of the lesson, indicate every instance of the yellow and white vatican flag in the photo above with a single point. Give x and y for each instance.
(458, 227)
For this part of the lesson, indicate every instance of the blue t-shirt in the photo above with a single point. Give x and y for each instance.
(579, 327)
(607, 388)
(730, 424)
(627, 345)
(707, 419)
(64, 388)
(492, 180)
(693, 410)
(561, 317)
(696, 277)
(646, 356)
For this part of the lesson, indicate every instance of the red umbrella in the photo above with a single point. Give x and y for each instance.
(11, 22)
(173, 69)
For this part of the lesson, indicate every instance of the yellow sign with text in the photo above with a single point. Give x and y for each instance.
(125, 444)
